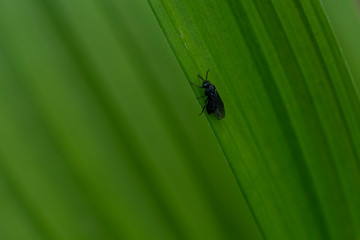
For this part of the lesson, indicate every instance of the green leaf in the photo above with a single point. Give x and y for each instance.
(292, 128)
(99, 132)
(345, 17)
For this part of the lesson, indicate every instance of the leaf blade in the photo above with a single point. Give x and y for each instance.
(274, 50)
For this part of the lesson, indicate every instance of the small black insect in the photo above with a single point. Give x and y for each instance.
(213, 103)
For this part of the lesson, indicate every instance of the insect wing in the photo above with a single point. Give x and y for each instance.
(220, 110)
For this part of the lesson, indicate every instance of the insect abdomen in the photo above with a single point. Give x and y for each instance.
(211, 106)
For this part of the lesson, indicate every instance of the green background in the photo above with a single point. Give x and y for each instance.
(100, 136)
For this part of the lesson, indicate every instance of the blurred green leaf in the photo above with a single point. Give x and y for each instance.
(99, 133)
(292, 128)
(345, 17)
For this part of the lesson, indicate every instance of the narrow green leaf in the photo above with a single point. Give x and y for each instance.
(292, 127)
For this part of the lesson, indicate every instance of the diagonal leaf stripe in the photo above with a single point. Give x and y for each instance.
(292, 128)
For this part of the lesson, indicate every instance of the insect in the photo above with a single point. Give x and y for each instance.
(213, 102)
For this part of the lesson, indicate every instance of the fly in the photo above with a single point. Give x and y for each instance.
(213, 102)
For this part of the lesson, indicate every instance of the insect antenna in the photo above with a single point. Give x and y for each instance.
(206, 76)
(201, 78)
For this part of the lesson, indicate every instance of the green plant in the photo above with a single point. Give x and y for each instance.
(100, 137)
(99, 133)
(291, 133)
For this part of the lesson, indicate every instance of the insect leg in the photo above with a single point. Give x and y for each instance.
(201, 97)
(196, 85)
(206, 103)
